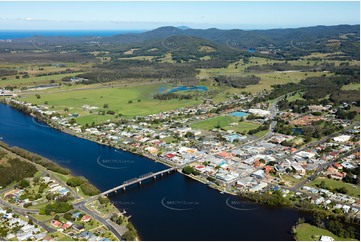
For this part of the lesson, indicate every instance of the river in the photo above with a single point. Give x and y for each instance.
(174, 207)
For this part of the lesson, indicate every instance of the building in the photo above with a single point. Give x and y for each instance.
(342, 138)
(55, 223)
(258, 174)
(326, 238)
(258, 187)
(85, 218)
(299, 169)
(259, 112)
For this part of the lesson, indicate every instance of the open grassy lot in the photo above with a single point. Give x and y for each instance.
(267, 79)
(297, 96)
(167, 58)
(353, 190)
(291, 181)
(308, 232)
(224, 123)
(33, 80)
(138, 58)
(212, 123)
(141, 98)
(352, 86)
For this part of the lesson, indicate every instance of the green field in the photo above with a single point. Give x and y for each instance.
(149, 58)
(352, 86)
(267, 79)
(223, 122)
(297, 96)
(308, 232)
(32, 80)
(116, 98)
(353, 190)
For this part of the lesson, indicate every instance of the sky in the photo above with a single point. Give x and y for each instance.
(149, 15)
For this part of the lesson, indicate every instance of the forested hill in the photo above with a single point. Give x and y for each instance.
(274, 43)
(271, 36)
(307, 38)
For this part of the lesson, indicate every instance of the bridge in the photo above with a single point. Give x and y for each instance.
(128, 183)
(138, 180)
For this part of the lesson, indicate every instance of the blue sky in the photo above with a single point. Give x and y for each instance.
(149, 15)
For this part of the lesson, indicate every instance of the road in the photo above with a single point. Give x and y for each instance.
(26, 213)
(100, 219)
(44, 171)
(320, 169)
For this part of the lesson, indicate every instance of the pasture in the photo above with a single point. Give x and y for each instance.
(125, 101)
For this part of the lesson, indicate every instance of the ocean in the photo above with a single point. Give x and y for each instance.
(16, 34)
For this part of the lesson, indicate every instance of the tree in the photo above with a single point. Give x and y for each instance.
(23, 183)
(342, 190)
(188, 170)
(129, 236)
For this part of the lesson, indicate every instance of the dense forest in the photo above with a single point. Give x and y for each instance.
(14, 169)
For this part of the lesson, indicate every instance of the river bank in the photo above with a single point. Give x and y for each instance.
(47, 121)
(78, 194)
(144, 202)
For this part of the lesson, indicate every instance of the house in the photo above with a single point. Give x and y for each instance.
(342, 138)
(85, 218)
(85, 234)
(67, 225)
(337, 176)
(337, 166)
(48, 238)
(169, 155)
(258, 174)
(326, 238)
(299, 169)
(348, 165)
(200, 168)
(258, 187)
(76, 215)
(55, 223)
(78, 227)
(267, 169)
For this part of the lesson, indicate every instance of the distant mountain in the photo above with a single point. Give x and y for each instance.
(277, 42)
(246, 38)
(183, 27)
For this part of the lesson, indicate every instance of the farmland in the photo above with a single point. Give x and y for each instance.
(126, 101)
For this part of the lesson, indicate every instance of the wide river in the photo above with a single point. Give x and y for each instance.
(174, 207)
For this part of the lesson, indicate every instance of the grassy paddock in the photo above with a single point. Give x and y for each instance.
(308, 232)
(351, 86)
(32, 80)
(353, 190)
(117, 99)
